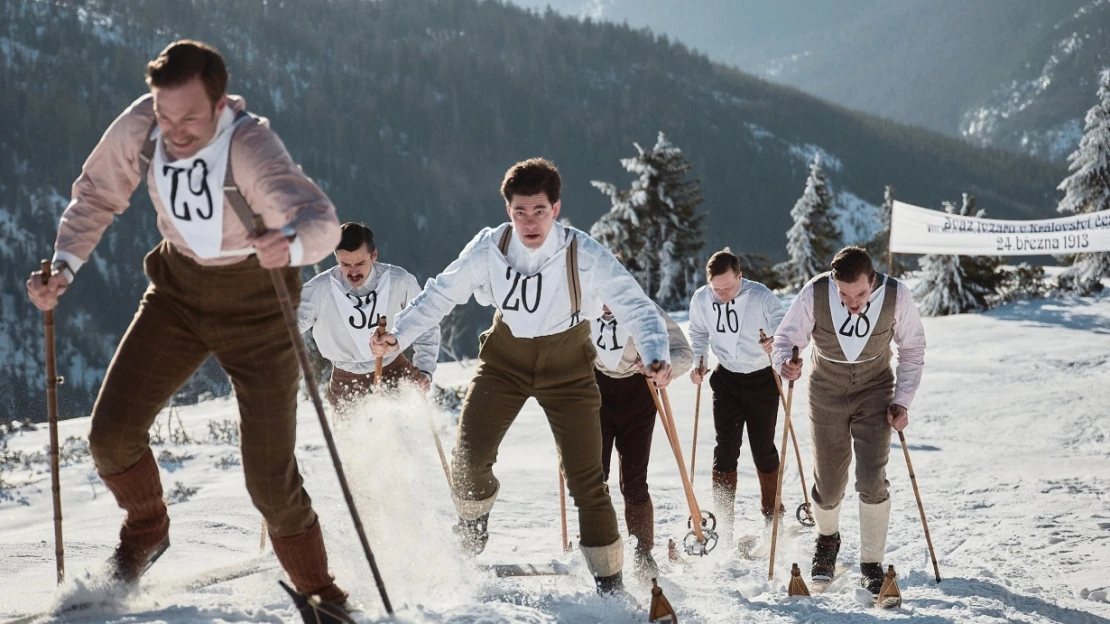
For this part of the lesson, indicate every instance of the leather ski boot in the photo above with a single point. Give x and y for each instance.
(768, 487)
(724, 504)
(144, 534)
(472, 534)
(824, 558)
(640, 519)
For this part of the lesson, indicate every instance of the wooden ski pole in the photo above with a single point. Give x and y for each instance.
(920, 507)
(378, 362)
(52, 382)
(782, 465)
(290, 316)
(672, 437)
(439, 444)
(793, 439)
(697, 411)
(563, 510)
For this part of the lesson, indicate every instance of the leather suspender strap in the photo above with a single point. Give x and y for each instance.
(503, 245)
(146, 154)
(574, 286)
(250, 220)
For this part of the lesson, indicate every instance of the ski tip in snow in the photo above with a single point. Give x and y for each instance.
(505, 570)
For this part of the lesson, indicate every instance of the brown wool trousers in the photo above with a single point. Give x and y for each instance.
(189, 312)
(558, 371)
(847, 416)
(346, 387)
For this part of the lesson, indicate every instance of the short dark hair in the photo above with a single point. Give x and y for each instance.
(720, 263)
(850, 263)
(354, 235)
(186, 59)
(532, 177)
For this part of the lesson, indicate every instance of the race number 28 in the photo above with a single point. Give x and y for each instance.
(849, 329)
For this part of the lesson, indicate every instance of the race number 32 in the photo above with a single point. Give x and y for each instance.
(363, 304)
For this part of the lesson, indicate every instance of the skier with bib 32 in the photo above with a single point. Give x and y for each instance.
(211, 170)
(547, 281)
(853, 314)
(342, 305)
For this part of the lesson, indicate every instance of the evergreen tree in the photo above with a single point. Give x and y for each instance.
(879, 246)
(653, 225)
(813, 239)
(1087, 189)
(952, 284)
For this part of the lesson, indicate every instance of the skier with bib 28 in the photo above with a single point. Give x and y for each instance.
(547, 281)
(853, 314)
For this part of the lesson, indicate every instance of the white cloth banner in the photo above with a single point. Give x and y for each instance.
(918, 230)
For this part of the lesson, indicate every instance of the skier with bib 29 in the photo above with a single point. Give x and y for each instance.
(212, 171)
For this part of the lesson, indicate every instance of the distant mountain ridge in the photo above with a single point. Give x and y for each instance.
(1017, 74)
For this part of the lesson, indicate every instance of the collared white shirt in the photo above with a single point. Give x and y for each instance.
(319, 312)
(601, 277)
(908, 333)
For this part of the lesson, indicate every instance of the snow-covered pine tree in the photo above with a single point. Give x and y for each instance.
(814, 237)
(879, 246)
(654, 224)
(952, 284)
(1087, 189)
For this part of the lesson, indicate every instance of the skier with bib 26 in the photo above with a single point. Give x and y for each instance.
(725, 316)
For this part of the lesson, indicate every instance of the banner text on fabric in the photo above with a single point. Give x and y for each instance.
(922, 231)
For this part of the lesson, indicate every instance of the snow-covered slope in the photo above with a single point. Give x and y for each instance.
(1008, 435)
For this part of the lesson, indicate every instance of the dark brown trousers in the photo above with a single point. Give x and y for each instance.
(346, 387)
(188, 312)
(558, 371)
(627, 421)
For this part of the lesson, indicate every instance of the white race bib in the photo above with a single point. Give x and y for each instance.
(524, 300)
(854, 330)
(360, 313)
(610, 338)
(725, 322)
(192, 191)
